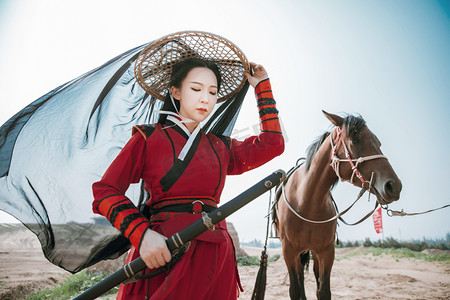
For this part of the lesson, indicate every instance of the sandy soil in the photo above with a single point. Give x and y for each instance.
(360, 277)
(23, 267)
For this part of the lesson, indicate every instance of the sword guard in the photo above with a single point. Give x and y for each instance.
(283, 175)
(207, 221)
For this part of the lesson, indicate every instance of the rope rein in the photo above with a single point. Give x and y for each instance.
(337, 215)
(396, 213)
(335, 164)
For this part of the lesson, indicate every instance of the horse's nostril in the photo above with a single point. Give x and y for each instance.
(392, 188)
(389, 187)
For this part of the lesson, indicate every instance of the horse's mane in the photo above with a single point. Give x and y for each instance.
(351, 126)
(313, 148)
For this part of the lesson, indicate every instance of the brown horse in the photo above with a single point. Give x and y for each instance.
(305, 216)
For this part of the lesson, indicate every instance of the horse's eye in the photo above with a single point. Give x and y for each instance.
(356, 140)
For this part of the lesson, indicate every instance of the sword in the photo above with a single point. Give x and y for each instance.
(207, 222)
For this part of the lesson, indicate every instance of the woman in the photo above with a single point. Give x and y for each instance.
(208, 269)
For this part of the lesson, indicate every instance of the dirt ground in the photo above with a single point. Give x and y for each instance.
(360, 277)
(23, 267)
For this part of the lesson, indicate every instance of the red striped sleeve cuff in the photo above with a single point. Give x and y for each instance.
(268, 112)
(124, 216)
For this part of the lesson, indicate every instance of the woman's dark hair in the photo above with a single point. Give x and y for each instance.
(179, 73)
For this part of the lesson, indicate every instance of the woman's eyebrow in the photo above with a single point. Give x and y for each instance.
(202, 84)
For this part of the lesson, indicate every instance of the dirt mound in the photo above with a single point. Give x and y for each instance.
(436, 251)
(234, 235)
(23, 265)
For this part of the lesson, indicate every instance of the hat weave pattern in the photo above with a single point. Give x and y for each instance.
(154, 64)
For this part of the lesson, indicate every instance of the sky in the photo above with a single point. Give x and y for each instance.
(387, 61)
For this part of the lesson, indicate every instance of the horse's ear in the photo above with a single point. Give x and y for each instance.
(335, 119)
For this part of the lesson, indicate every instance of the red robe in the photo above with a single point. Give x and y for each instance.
(208, 269)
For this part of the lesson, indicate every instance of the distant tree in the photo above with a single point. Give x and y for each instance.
(349, 244)
(441, 246)
(377, 244)
(423, 246)
(367, 243)
(391, 243)
(411, 245)
(274, 244)
(253, 243)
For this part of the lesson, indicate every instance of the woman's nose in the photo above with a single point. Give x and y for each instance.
(204, 98)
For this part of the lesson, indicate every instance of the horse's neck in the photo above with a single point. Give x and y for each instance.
(320, 177)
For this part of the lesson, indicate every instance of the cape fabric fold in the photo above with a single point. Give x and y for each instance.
(55, 148)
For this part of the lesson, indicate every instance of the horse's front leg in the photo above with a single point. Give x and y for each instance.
(316, 270)
(325, 259)
(295, 270)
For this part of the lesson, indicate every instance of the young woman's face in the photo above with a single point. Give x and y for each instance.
(197, 95)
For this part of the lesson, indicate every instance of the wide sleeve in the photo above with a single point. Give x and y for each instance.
(109, 193)
(257, 150)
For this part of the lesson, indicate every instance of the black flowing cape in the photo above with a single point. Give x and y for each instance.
(53, 150)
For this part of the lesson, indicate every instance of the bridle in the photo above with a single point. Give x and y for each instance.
(335, 164)
(335, 161)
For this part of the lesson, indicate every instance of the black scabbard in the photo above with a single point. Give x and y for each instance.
(189, 233)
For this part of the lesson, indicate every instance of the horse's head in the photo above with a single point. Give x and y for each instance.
(357, 158)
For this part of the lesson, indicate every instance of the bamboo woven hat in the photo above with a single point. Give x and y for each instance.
(154, 64)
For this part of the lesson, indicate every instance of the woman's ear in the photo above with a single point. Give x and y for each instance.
(175, 93)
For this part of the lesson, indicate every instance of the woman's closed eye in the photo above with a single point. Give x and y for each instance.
(198, 90)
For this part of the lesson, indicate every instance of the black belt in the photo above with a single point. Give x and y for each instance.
(186, 207)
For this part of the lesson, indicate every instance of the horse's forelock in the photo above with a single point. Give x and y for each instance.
(353, 125)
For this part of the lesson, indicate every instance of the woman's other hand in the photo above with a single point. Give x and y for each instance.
(153, 249)
(259, 73)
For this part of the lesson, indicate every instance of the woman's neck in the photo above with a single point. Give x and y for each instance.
(191, 126)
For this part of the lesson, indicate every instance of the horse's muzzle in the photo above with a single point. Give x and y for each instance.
(389, 191)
